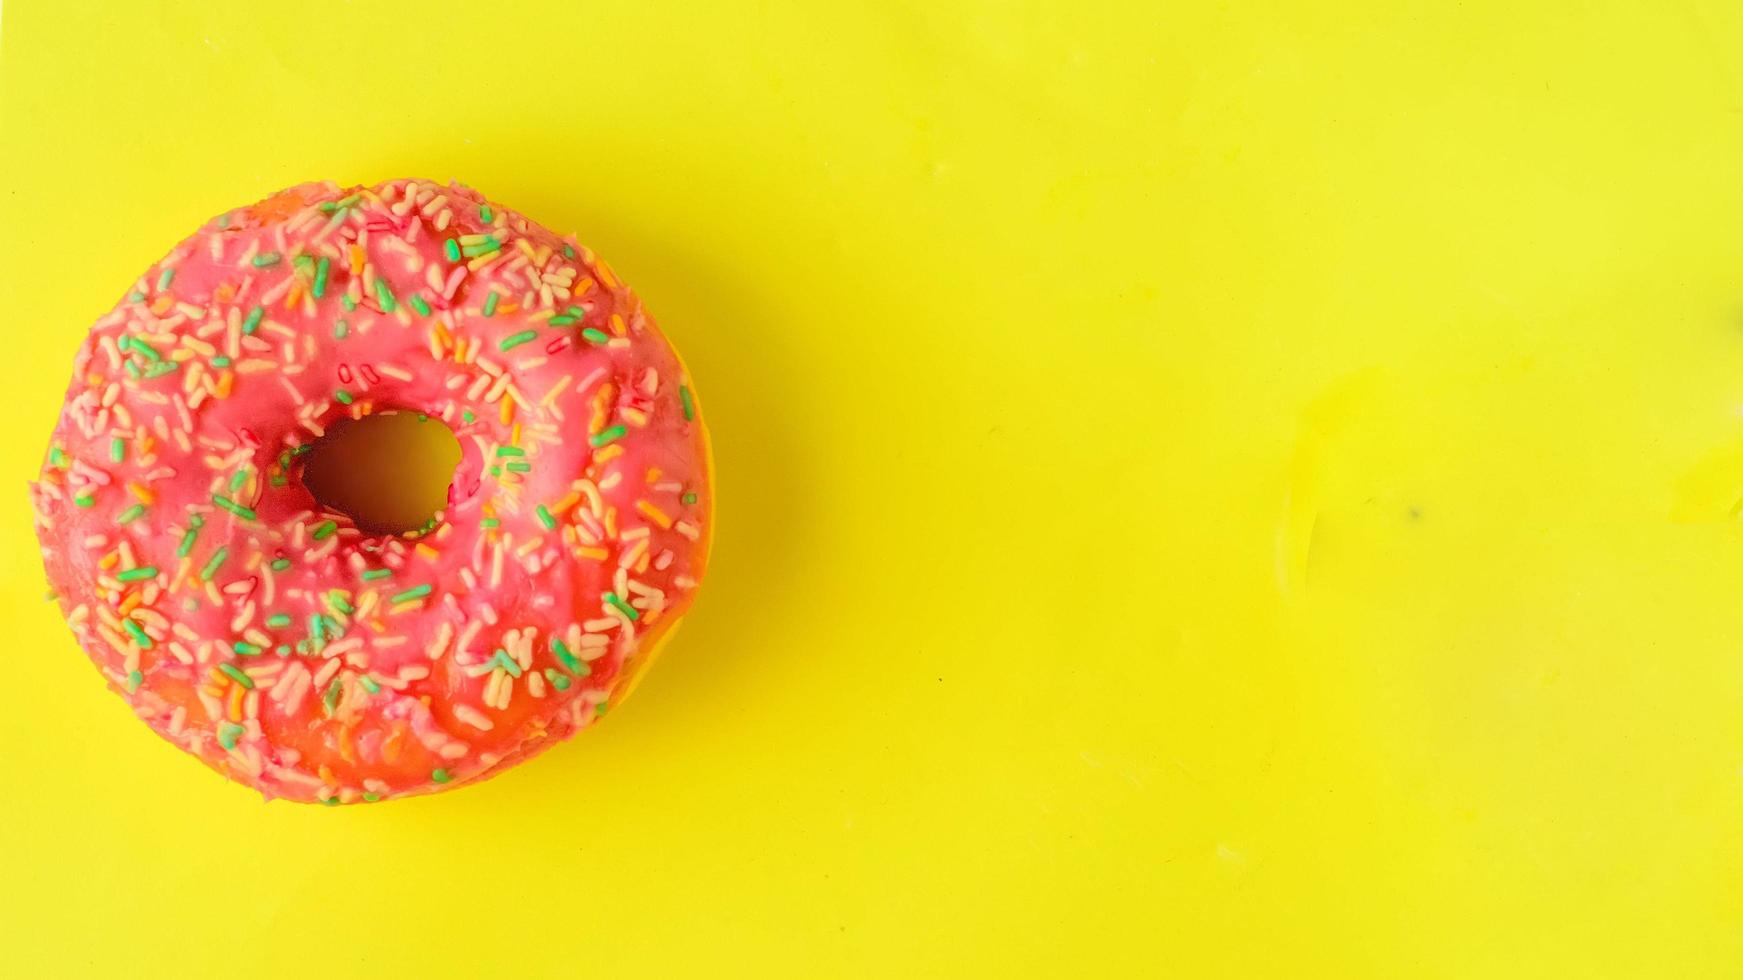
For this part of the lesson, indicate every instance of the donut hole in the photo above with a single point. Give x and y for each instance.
(389, 472)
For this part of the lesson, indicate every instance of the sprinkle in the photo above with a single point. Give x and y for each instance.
(440, 775)
(558, 680)
(320, 288)
(485, 246)
(688, 498)
(137, 574)
(346, 301)
(490, 303)
(376, 573)
(653, 513)
(684, 400)
(278, 620)
(117, 449)
(490, 522)
(84, 501)
(510, 451)
(609, 435)
(233, 507)
(622, 607)
(326, 528)
(280, 564)
(265, 259)
(56, 458)
(252, 323)
(595, 335)
(546, 519)
(451, 249)
(237, 675)
(135, 296)
(340, 329)
(237, 479)
(340, 604)
(187, 542)
(385, 296)
(228, 733)
(139, 635)
(519, 467)
(415, 592)
(418, 304)
(515, 340)
(130, 514)
(211, 567)
(467, 416)
(331, 698)
(164, 280)
(562, 320)
(343, 397)
(369, 684)
(220, 361)
(245, 649)
(134, 679)
(371, 797)
(484, 213)
(570, 662)
(506, 662)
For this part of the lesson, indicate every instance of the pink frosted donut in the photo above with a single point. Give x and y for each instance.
(278, 642)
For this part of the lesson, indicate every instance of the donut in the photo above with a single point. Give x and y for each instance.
(281, 640)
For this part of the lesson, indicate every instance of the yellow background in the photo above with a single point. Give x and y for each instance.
(1214, 489)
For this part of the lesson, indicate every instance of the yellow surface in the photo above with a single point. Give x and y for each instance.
(1223, 490)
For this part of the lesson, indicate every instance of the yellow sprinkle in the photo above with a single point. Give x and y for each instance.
(108, 561)
(655, 514)
(567, 502)
(427, 552)
(597, 554)
(609, 453)
(507, 409)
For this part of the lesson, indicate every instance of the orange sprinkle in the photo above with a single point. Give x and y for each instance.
(294, 296)
(346, 751)
(508, 308)
(356, 259)
(326, 775)
(605, 274)
(617, 326)
(161, 305)
(567, 502)
(224, 381)
(109, 560)
(609, 453)
(225, 292)
(655, 514)
(129, 604)
(597, 554)
(507, 409)
(145, 496)
(653, 474)
(390, 748)
(427, 552)
(234, 709)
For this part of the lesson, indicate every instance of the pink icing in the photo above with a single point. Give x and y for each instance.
(263, 635)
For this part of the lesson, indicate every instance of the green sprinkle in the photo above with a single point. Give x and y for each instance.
(340, 329)
(560, 321)
(228, 733)
(346, 202)
(278, 620)
(251, 323)
(688, 498)
(506, 662)
(418, 304)
(187, 542)
(237, 675)
(320, 288)
(161, 368)
(134, 679)
(595, 336)
(328, 207)
(139, 635)
(519, 467)
(496, 471)
(685, 401)
(440, 775)
(140, 346)
(280, 564)
(568, 251)
(84, 501)
(467, 416)
(623, 607)
(340, 604)
(490, 303)
(545, 518)
(331, 698)
(265, 259)
(415, 592)
(224, 220)
(371, 797)
(326, 528)
(164, 280)
(490, 522)
(220, 360)
(233, 507)
(451, 249)
(369, 684)
(570, 662)
(303, 263)
(384, 294)
(117, 449)
(608, 436)
(377, 573)
(558, 679)
(243, 648)
(346, 301)
(132, 369)
(56, 458)
(283, 649)
(343, 397)
(330, 801)
(515, 340)
(600, 710)
(510, 451)
(135, 296)
(317, 629)
(237, 479)
(489, 245)
(278, 480)
(484, 213)
(217, 559)
(130, 514)
(576, 311)
(137, 574)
